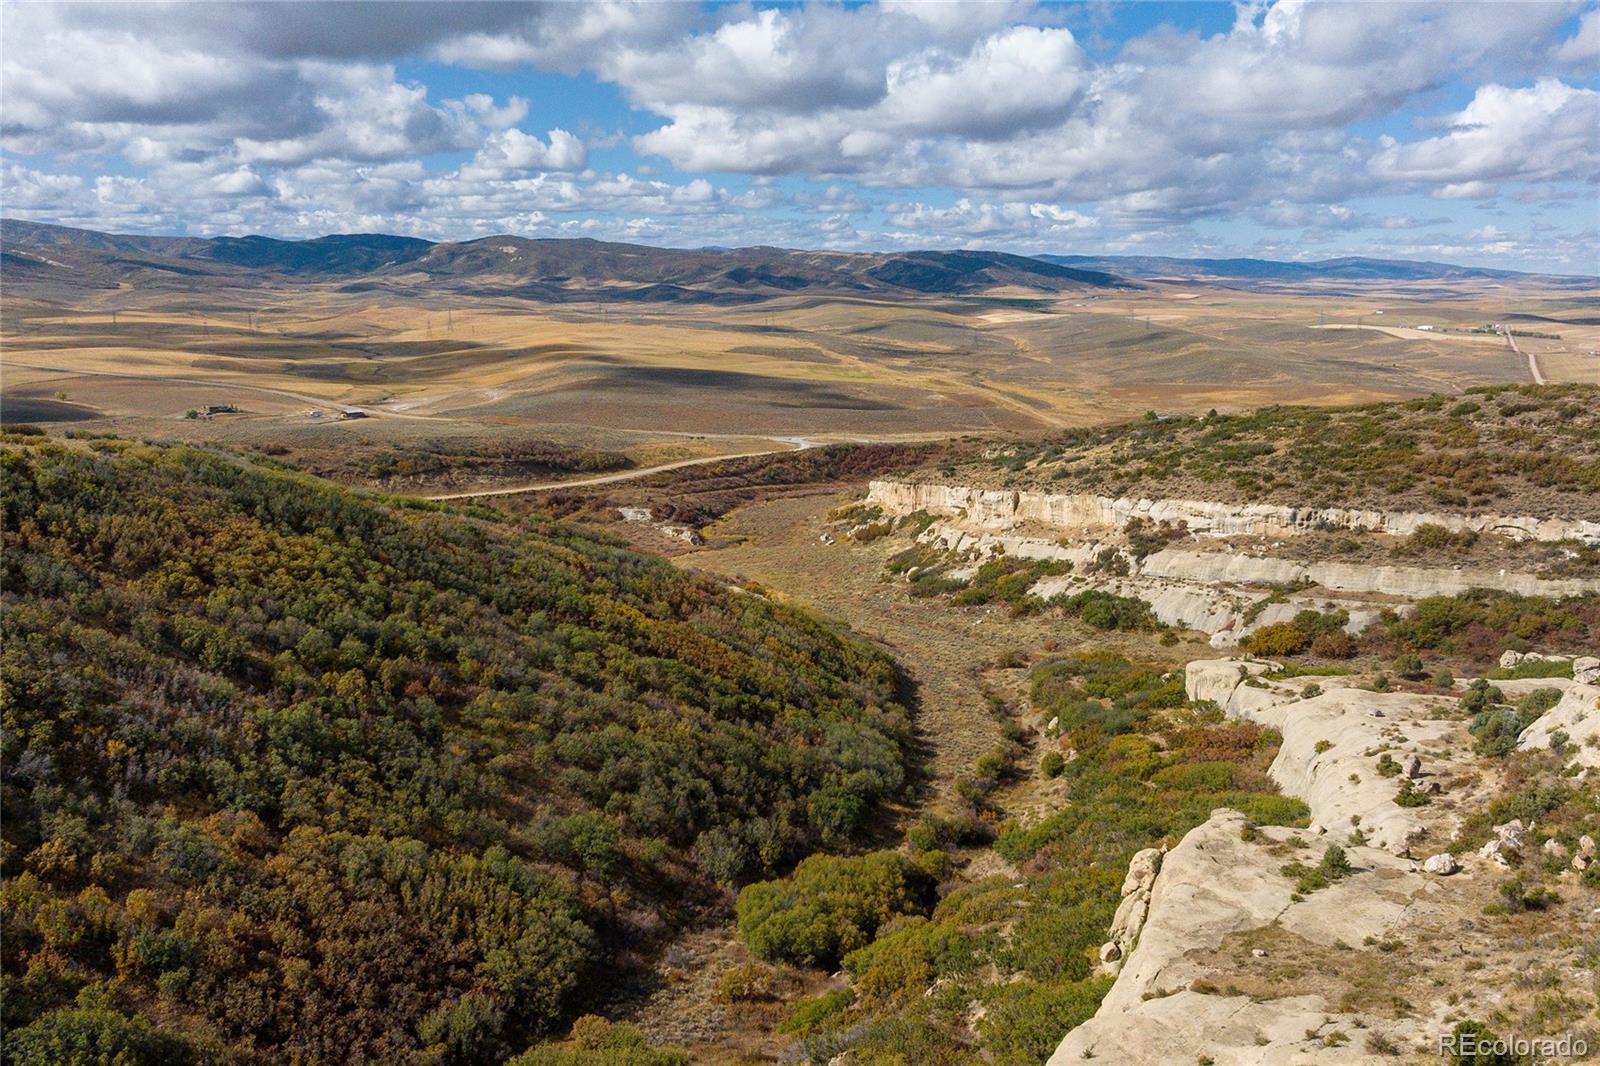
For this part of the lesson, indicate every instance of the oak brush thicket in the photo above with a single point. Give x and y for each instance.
(295, 774)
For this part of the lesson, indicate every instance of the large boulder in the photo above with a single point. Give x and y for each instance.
(1443, 864)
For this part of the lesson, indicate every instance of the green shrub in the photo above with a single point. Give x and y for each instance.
(810, 1015)
(1104, 610)
(1025, 1022)
(1432, 537)
(1334, 866)
(1535, 703)
(1051, 765)
(1470, 1043)
(594, 1041)
(1278, 638)
(1409, 666)
(1517, 896)
(829, 906)
(1479, 696)
(1409, 796)
(1496, 729)
(1532, 668)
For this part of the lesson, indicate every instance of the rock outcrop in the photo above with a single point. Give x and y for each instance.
(1220, 882)
(1231, 594)
(1220, 898)
(1576, 719)
(1135, 905)
(1005, 508)
(1333, 742)
(1236, 569)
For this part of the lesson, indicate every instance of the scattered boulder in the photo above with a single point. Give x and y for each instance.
(1586, 670)
(1412, 767)
(1506, 847)
(1510, 659)
(1555, 848)
(1402, 844)
(1109, 952)
(687, 534)
(1586, 853)
(1443, 864)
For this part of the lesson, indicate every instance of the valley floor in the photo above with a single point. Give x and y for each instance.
(957, 659)
(1430, 956)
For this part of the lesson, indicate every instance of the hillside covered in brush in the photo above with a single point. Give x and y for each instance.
(294, 774)
(1513, 449)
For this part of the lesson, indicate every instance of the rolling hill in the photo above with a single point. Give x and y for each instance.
(546, 269)
(1347, 269)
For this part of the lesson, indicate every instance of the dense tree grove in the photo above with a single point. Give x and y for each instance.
(298, 775)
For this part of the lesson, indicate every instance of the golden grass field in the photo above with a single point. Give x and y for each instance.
(662, 382)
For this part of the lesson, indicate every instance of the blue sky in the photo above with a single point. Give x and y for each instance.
(1468, 132)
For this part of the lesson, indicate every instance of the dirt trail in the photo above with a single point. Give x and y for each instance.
(606, 479)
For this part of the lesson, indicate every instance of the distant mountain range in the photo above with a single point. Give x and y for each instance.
(40, 256)
(1349, 268)
(557, 270)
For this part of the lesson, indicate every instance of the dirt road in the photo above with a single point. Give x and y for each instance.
(795, 444)
(1533, 361)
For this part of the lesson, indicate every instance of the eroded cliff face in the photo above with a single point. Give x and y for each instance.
(1222, 593)
(1226, 594)
(1001, 509)
(1235, 966)
(1220, 893)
